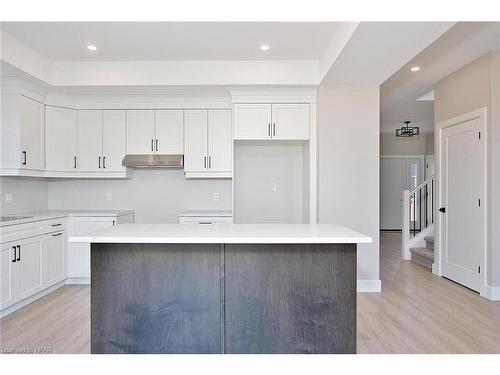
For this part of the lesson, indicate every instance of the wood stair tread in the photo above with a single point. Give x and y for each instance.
(424, 252)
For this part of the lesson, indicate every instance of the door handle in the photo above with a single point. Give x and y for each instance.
(442, 209)
(104, 162)
(25, 158)
(14, 260)
(99, 162)
(18, 253)
(156, 145)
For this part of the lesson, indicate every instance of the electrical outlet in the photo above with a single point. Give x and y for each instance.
(216, 196)
(274, 187)
(109, 196)
(9, 197)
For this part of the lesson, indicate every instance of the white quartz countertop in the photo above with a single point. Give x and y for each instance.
(54, 214)
(224, 233)
(206, 213)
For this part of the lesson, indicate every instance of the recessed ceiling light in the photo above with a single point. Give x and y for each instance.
(264, 47)
(415, 69)
(92, 47)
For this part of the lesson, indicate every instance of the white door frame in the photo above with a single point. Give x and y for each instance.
(438, 259)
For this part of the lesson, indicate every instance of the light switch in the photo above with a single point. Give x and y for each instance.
(274, 187)
(9, 197)
(109, 196)
(216, 196)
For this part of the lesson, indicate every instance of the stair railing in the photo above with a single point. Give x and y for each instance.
(418, 212)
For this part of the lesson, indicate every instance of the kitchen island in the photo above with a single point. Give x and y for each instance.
(228, 288)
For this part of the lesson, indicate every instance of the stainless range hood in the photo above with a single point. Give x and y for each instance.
(153, 161)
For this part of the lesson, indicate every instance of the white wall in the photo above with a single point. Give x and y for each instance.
(392, 145)
(257, 168)
(348, 167)
(156, 195)
(474, 86)
(30, 194)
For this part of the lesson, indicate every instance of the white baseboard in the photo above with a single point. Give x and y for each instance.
(492, 292)
(78, 281)
(27, 301)
(369, 286)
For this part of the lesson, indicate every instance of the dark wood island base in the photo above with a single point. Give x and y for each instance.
(223, 298)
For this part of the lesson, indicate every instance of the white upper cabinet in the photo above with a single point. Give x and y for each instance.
(208, 143)
(22, 135)
(271, 121)
(61, 145)
(195, 141)
(140, 132)
(169, 132)
(89, 140)
(114, 140)
(219, 141)
(252, 121)
(290, 121)
(32, 121)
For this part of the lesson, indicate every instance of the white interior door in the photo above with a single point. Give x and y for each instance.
(195, 140)
(89, 140)
(114, 140)
(393, 178)
(219, 140)
(140, 131)
(462, 187)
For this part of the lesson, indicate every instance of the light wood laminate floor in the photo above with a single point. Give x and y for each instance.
(416, 312)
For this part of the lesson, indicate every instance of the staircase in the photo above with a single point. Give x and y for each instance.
(418, 223)
(424, 255)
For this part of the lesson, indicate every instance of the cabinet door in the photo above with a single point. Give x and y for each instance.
(252, 121)
(290, 121)
(89, 140)
(140, 132)
(7, 277)
(54, 259)
(219, 140)
(61, 138)
(195, 140)
(114, 138)
(29, 267)
(79, 254)
(169, 132)
(32, 140)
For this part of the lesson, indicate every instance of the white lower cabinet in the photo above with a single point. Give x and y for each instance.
(32, 261)
(54, 258)
(78, 263)
(7, 282)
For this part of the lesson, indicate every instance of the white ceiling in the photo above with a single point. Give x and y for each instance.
(133, 41)
(462, 44)
(378, 49)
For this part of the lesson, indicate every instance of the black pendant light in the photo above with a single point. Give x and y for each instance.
(407, 130)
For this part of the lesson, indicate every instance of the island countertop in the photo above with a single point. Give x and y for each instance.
(225, 234)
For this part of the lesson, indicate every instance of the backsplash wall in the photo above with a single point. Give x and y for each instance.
(156, 195)
(30, 194)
